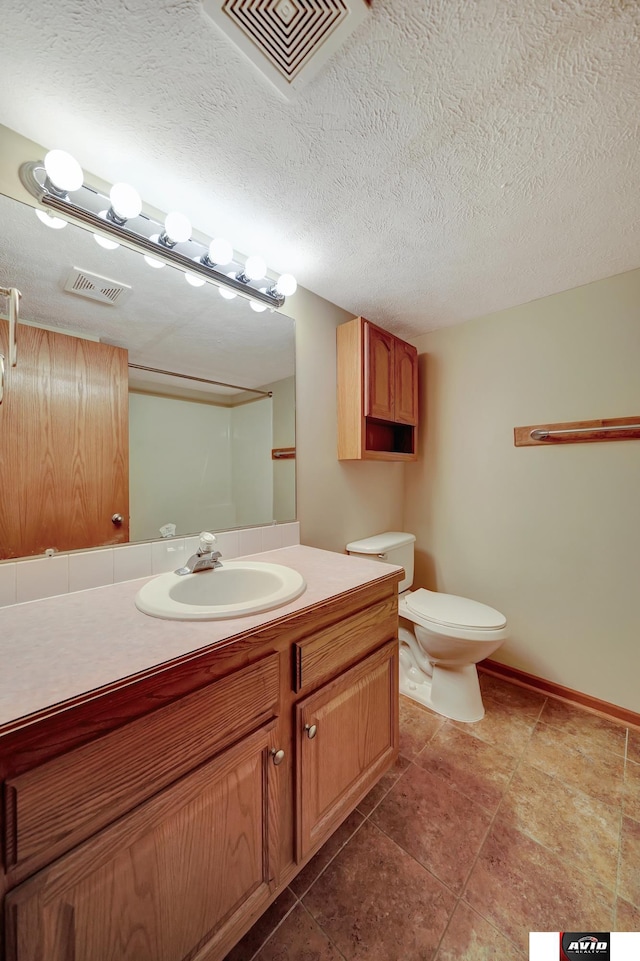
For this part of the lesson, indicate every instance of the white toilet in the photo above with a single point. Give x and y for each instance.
(442, 636)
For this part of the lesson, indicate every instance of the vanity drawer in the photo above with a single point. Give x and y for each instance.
(320, 656)
(62, 802)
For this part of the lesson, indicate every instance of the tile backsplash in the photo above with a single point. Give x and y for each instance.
(37, 577)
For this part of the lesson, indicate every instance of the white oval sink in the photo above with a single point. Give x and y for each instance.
(232, 590)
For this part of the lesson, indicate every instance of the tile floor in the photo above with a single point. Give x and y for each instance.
(527, 820)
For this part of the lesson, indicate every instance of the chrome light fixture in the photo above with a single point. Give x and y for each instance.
(58, 186)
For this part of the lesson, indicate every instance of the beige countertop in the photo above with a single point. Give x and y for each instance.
(58, 648)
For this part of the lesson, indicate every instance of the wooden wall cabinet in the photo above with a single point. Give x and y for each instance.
(377, 378)
(164, 838)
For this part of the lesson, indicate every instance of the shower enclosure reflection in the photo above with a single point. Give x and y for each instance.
(194, 464)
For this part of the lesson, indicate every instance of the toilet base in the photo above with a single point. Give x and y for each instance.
(452, 692)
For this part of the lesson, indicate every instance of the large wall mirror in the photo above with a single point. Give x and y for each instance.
(200, 455)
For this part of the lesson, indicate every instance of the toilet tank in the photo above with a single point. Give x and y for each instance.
(392, 547)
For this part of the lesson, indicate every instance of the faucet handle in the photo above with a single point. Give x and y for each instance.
(207, 540)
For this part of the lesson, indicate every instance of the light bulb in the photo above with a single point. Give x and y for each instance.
(255, 268)
(177, 227)
(286, 285)
(153, 261)
(63, 170)
(220, 251)
(125, 201)
(56, 223)
(194, 280)
(257, 307)
(225, 292)
(105, 242)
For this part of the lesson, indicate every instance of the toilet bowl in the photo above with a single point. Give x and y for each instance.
(442, 636)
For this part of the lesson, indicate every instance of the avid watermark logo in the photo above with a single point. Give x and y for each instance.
(574, 945)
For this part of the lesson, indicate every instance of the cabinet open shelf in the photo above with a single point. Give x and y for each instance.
(386, 437)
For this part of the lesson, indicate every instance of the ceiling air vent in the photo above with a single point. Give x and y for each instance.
(288, 40)
(95, 287)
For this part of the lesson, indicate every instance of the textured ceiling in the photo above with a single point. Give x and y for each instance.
(454, 157)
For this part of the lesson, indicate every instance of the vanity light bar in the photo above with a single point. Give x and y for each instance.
(86, 208)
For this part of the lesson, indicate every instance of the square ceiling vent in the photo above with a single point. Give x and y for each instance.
(95, 287)
(287, 40)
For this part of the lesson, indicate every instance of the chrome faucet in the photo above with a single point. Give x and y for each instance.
(204, 559)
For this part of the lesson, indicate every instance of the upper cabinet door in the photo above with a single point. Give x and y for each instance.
(379, 386)
(67, 403)
(406, 386)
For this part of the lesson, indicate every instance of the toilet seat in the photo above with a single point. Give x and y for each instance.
(451, 611)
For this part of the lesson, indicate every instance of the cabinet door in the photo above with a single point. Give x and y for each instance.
(379, 380)
(406, 387)
(64, 444)
(165, 883)
(347, 735)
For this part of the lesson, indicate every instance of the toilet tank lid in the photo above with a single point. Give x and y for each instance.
(380, 543)
(449, 610)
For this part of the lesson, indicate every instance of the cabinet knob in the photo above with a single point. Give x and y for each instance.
(116, 519)
(311, 730)
(278, 756)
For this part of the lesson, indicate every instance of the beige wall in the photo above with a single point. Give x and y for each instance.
(337, 502)
(551, 537)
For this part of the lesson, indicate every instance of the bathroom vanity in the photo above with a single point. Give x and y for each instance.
(166, 783)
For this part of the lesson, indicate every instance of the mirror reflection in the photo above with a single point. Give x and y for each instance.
(87, 436)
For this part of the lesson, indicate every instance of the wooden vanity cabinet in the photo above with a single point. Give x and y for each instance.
(377, 379)
(158, 821)
(347, 736)
(174, 875)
